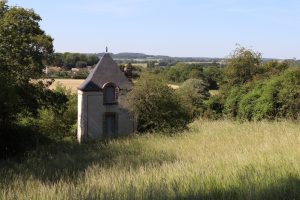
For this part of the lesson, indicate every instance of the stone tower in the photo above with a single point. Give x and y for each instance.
(102, 110)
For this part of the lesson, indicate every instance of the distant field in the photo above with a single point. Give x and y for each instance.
(73, 84)
(68, 83)
(214, 160)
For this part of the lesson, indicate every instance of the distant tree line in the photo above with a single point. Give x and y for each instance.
(73, 60)
(211, 73)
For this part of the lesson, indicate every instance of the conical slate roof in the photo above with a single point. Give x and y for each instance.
(105, 71)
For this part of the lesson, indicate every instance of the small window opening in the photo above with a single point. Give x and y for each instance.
(111, 93)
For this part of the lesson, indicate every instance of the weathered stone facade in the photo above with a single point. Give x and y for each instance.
(102, 110)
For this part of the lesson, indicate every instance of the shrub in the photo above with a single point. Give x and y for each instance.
(289, 94)
(277, 97)
(234, 96)
(246, 106)
(193, 93)
(55, 121)
(214, 107)
(157, 106)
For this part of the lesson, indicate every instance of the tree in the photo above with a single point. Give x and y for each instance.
(242, 66)
(56, 60)
(24, 48)
(214, 76)
(80, 64)
(157, 106)
(194, 92)
(92, 60)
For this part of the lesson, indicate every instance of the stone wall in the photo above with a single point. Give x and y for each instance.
(91, 112)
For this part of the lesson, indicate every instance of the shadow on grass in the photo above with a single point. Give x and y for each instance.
(16, 140)
(67, 160)
(287, 188)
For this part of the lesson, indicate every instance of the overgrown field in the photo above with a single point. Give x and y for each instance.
(214, 160)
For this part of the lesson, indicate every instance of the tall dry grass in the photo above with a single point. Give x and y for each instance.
(214, 160)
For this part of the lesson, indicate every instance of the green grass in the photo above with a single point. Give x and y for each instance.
(214, 160)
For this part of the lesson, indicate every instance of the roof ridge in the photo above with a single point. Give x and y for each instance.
(106, 70)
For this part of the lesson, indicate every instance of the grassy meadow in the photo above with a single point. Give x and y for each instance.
(213, 160)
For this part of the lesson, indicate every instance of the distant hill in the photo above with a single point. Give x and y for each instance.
(142, 56)
(147, 57)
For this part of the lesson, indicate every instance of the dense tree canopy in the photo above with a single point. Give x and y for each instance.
(24, 48)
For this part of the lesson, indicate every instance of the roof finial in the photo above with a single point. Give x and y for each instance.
(106, 49)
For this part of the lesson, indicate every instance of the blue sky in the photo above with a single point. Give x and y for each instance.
(172, 27)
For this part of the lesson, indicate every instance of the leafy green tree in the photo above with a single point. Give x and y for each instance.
(214, 76)
(194, 92)
(182, 72)
(157, 106)
(24, 48)
(242, 66)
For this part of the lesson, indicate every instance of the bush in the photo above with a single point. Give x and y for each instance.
(193, 93)
(277, 97)
(56, 121)
(214, 76)
(231, 106)
(60, 122)
(157, 106)
(214, 107)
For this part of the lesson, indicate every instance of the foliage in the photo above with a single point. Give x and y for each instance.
(233, 97)
(23, 49)
(182, 72)
(256, 90)
(58, 122)
(214, 76)
(157, 106)
(272, 68)
(242, 66)
(277, 97)
(214, 107)
(71, 60)
(193, 93)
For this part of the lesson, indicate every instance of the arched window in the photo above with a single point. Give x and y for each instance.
(110, 94)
